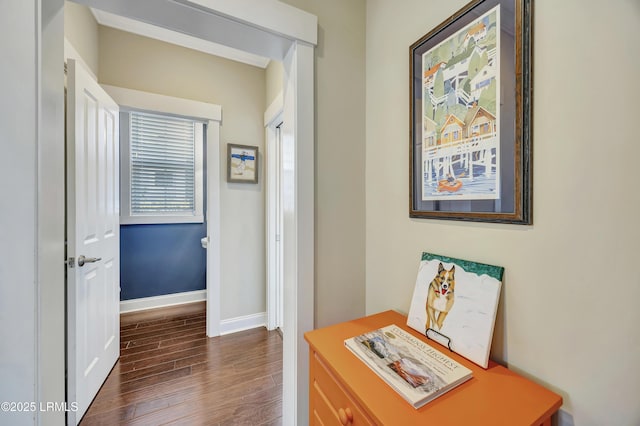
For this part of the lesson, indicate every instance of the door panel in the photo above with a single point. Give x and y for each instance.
(93, 288)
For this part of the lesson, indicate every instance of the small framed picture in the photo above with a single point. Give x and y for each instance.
(242, 163)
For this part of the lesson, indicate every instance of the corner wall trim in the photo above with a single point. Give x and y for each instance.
(246, 322)
(162, 301)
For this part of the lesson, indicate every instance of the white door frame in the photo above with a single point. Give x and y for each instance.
(214, 251)
(32, 367)
(278, 31)
(298, 228)
(273, 176)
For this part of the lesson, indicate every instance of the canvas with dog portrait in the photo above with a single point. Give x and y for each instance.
(455, 303)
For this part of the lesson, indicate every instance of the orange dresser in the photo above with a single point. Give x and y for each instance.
(344, 391)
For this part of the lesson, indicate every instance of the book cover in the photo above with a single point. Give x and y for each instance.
(455, 303)
(417, 371)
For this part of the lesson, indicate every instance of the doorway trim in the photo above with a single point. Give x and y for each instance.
(281, 32)
(272, 121)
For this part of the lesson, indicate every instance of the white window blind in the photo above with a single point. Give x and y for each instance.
(165, 171)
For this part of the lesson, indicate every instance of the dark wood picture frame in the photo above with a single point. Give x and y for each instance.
(453, 176)
(242, 163)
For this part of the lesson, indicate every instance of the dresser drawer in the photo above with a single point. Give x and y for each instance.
(331, 401)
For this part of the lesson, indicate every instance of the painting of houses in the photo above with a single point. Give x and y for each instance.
(452, 130)
(482, 80)
(461, 130)
(429, 134)
(477, 33)
(479, 122)
(430, 74)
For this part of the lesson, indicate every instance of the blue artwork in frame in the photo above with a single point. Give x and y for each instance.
(242, 163)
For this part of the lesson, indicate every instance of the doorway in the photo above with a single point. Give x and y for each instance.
(211, 116)
(278, 31)
(94, 188)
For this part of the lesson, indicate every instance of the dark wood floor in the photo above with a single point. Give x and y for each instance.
(169, 372)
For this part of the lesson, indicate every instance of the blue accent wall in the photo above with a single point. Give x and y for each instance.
(161, 259)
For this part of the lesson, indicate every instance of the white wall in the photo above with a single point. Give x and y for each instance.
(274, 78)
(18, 215)
(569, 309)
(31, 210)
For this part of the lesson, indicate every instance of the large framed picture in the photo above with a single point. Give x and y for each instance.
(471, 115)
(242, 163)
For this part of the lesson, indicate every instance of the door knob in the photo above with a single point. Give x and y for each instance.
(82, 260)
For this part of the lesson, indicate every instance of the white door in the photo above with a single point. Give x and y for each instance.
(93, 238)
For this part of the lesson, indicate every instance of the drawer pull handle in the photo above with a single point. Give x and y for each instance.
(346, 416)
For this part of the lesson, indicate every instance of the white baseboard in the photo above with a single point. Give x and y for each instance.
(564, 418)
(162, 301)
(233, 325)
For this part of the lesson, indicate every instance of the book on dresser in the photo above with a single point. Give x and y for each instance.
(414, 369)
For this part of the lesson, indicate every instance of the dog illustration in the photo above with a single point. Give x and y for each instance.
(440, 297)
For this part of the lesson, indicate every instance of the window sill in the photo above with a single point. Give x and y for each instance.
(155, 220)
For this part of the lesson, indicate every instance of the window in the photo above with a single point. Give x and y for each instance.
(161, 168)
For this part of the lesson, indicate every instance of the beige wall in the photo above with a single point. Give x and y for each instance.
(274, 74)
(340, 166)
(569, 310)
(81, 30)
(140, 63)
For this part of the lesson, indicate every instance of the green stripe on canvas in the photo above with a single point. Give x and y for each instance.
(469, 266)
